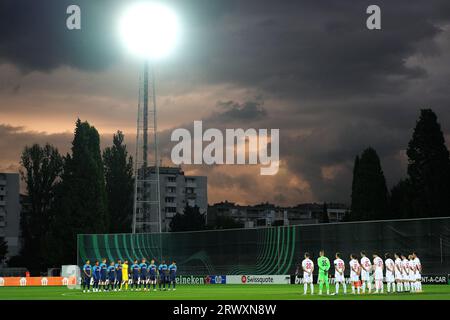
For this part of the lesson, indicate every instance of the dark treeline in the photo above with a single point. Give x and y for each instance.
(86, 191)
(90, 191)
(424, 192)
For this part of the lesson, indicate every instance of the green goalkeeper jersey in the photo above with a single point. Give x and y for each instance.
(324, 265)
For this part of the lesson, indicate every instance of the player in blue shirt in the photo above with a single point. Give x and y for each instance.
(103, 274)
(173, 274)
(118, 274)
(111, 276)
(143, 281)
(162, 269)
(87, 274)
(152, 271)
(96, 275)
(135, 275)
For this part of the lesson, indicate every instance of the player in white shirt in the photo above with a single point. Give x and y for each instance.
(405, 272)
(412, 273)
(418, 282)
(398, 272)
(366, 268)
(308, 268)
(378, 266)
(390, 271)
(355, 270)
(339, 268)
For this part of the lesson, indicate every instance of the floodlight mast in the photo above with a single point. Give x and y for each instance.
(150, 31)
(147, 203)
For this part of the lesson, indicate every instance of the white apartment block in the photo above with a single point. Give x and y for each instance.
(10, 211)
(176, 191)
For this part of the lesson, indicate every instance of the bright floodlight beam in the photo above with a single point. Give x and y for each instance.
(149, 30)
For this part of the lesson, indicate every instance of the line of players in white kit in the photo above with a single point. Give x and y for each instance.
(404, 274)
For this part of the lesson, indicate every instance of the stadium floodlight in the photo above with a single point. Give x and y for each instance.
(149, 30)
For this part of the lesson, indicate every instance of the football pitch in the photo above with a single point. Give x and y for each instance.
(214, 292)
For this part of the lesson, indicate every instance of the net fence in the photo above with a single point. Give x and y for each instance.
(275, 250)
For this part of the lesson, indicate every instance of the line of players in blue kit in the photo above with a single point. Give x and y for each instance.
(117, 276)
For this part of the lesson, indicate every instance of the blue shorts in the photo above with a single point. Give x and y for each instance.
(103, 277)
(153, 277)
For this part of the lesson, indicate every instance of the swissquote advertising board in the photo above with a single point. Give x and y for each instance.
(258, 279)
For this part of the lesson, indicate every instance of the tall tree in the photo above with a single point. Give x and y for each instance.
(355, 193)
(118, 169)
(3, 249)
(41, 171)
(81, 196)
(190, 220)
(369, 194)
(429, 167)
(400, 201)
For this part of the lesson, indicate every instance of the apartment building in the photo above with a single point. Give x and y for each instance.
(10, 211)
(176, 191)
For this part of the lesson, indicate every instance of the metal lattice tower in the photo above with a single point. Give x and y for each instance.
(147, 206)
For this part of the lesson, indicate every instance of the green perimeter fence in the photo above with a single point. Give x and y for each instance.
(275, 250)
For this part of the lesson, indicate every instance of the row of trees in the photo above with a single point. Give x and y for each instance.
(86, 191)
(423, 193)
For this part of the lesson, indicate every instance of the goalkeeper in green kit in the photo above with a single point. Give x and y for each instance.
(324, 265)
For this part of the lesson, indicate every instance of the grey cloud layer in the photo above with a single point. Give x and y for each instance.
(329, 84)
(298, 48)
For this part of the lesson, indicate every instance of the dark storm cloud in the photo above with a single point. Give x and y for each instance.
(235, 111)
(34, 36)
(245, 114)
(334, 146)
(332, 86)
(293, 48)
(306, 48)
(328, 139)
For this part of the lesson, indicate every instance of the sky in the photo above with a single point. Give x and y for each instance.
(309, 68)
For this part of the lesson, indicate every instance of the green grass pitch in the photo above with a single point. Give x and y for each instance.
(214, 292)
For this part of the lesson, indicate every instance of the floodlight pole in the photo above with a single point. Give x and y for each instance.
(147, 187)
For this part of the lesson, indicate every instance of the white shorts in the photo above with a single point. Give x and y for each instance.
(405, 276)
(389, 276)
(378, 275)
(418, 276)
(398, 275)
(412, 277)
(365, 276)
(338, 277)
(354, 278)
(307, 278)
